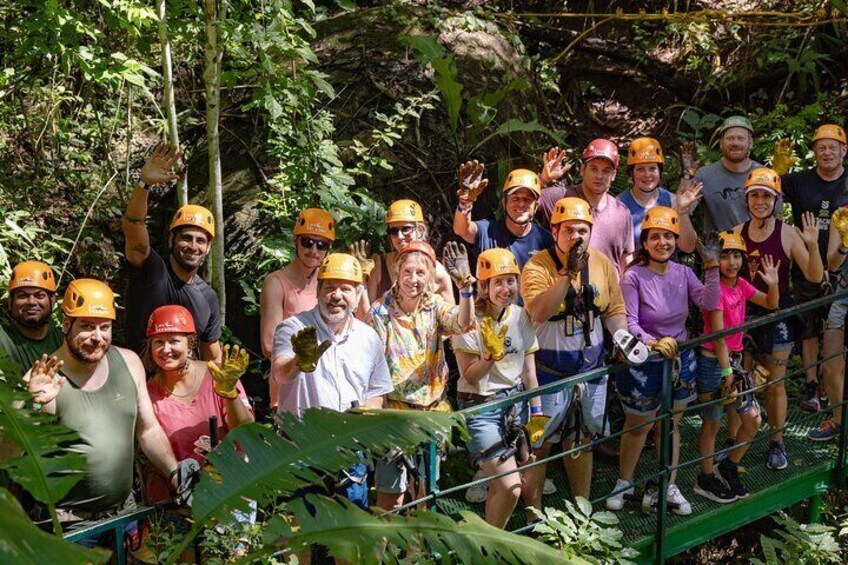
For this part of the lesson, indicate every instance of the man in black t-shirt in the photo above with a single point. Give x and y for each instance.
(155, 281)
(820, 190)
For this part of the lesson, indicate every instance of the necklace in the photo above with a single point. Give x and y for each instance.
(184, 395)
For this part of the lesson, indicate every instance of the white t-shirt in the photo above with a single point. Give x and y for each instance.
(506, 373)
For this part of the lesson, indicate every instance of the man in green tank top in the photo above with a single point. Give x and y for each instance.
(99, 391)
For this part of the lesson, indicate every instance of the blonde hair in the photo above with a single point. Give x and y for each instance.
(427, 295)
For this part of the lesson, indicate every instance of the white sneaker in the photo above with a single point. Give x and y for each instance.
(477, 493)
(675, 496)
(549, 488)
(616, 501)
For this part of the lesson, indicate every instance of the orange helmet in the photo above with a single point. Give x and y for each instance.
(340, 266)
(194, 216)
(523, 178)
(496, 261)
(89, 298)
(661, 217)
(32, 274)
(830, 131)
(419, 246)
(732, 242)
(405, 211)
(317, 222)
(645, 150)
(170, 319)
(571, 208)
(763, 178)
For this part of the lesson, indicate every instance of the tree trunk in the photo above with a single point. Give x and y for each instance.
(170, 103)
(212, 78)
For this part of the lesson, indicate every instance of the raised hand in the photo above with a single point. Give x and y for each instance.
(159, 167)
(233, 366)
(493, 341)
(553, 166)
(362, 251)
(471, 182)
(689, 158)
(306, 349)
(44, 379)
(456, 263)
(576, 259)
(688, 197)
(709, 248)
(782, 159)
(840, 223)
(810, 231)
(769, 271)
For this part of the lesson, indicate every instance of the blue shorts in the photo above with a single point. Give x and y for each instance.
(709, 382)
(488, 429)
(836, 315)
(640, 387)
(777, 336)
(391, 475)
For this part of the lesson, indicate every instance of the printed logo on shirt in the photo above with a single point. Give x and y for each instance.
(730, 192)
(754, 260)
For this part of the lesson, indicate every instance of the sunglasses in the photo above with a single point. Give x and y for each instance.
(405, 230)
(309, 243)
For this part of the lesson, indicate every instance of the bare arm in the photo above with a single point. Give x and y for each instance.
(721, 352)
(528, 378)
(271, 305)
(464, 227)
(238, 412)
(835, 258)
(375, 402)
(684, 202)
(615, 322)
(473, 367)
(466, 308)
(284, 369)
(444, 284)
(375, 279)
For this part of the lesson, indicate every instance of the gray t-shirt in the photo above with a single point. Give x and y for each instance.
(723, 195)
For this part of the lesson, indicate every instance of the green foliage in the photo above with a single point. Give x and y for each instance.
(813, 544)
(578, 531)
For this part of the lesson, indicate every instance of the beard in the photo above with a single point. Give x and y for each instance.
(189, 263)
(334, 317)
(86, 355)
(33, 322)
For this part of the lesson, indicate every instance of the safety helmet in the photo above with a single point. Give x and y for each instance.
(571, 208)
(194, 216)
(734, 122)
(170, 319)
(732, 242)
(496, 261)
(89, 298)
(405, 211)
(661, 217)
(830, 131)
(340, 266)
(32, 274)
(601, 148)
(523, 178)
(317, 222)
(763, 178)
(419, 246)
(645, 150)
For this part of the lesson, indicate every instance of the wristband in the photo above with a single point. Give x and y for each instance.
(464, 210)
(726, 372)
(143, 185)
(536, 411)
(469, 294)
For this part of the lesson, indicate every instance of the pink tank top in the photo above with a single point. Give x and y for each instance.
(770, 246)
(297, 300)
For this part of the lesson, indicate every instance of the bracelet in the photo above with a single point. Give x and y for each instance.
(536, 411)
(726, 372)
(464, 210)
(469, 294)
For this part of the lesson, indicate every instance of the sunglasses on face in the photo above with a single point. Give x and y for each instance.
(405, 230)
(309, 243)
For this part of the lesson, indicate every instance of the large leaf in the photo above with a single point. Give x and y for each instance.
(428, 50)
(515, 125)
(22, 542)
(356, 536)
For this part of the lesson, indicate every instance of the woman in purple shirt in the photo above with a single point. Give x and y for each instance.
(657, 293)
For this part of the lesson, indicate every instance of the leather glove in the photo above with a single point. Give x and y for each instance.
(362, 252)
(576, 258)
(689, 157)
(709, 249)
(840, 222)
(665, 346)
(782, 159)
(536, 427)
(471, 182)
(457, 265)
(759, 375)
(306, 349)
(493, 341)
(233, 366)
(187, 474)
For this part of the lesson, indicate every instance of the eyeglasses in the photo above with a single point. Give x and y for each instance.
(405, 230)
(309, 243)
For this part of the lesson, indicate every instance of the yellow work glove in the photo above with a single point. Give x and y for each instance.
(306, 349)
(782, 159)
(840, 222)
(233, 366)
(536, 427)
(665, 346)
(493, 341)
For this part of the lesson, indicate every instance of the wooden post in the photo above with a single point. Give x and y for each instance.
(170, 103)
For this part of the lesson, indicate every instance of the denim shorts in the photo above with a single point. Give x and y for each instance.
(777, 336)
(709, 382)
(391, 475)
(593, 403)
(487, 429)
(836, 316)
(640, 386)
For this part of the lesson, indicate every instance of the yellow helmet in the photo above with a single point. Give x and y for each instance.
(732, 242)
(523, 178)
(89, 298)
(645, 150)
(317, 222)
(571, 208)
(830, 131)
(194, 216)
(32, 274)
(494, 262)
(661, 217)
(405, 211)
(340, 266)
(763, 178)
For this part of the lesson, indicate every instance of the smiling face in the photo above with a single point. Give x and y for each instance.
(336, 300)
(736, 144)
(520, 205)
(830, 155)
(403, 233)
(760, 203)
(415, 273)
(170, 351)
(502, 290)
(660, 244)
(30, 307)
(598, 175)
(190, 247)
(88, 339)
(730, 263)
(646, 177)
(311, 250)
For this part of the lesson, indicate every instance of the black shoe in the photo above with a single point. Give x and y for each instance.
(811, 402)
(711, 487)
(728, 471)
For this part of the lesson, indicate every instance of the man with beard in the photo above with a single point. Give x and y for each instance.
(154, 282)
(99, 391)
(32, 294)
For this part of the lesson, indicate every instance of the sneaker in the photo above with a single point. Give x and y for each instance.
(728, 471)
(683, 507)
(721, 456)
(712, 488)
(549, 488)
(477, 494)
(826, 432)
(777, 456)
(811, 402)
(616, 501)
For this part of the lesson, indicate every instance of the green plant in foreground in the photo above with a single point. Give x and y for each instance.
(811, 544)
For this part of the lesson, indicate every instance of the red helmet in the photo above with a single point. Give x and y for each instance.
(170, 319)
(601, 148)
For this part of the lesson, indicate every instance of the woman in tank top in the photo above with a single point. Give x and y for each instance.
(765, 235)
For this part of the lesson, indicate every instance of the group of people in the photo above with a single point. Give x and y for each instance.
(570, 279)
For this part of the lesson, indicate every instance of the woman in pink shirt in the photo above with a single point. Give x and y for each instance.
(185, 393)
